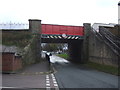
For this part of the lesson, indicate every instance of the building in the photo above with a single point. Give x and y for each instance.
(11, 61)
(119, 12)
(95, 26)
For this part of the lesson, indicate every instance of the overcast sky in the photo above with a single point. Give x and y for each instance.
(64, 12)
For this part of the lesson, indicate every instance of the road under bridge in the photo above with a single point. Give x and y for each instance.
(51, 33)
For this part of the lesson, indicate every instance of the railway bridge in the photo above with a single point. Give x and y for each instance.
(84, 43)
(75, 36)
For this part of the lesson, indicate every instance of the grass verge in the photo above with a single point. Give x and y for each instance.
(63, 55)
(104, 68)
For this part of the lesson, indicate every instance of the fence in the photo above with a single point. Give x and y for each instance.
(14, 25)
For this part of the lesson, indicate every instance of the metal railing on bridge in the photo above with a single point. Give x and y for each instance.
(11, 25)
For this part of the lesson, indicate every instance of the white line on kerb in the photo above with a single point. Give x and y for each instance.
(54, 79)
(54, 82)
(56, 85)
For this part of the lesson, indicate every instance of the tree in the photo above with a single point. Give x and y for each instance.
(54, 47)
(50, 47)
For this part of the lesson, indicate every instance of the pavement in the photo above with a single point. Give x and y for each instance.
(33, 77)
(37, 69)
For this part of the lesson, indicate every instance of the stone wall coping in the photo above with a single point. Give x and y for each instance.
(34, 20)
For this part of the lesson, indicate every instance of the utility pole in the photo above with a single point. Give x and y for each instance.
(119, 12)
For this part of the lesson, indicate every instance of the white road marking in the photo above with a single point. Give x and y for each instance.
(54, 79)
(54, 82)
(47, 79)
(47, 76)
(47, 82)
(50, 83)
(56, 85)
(47, 87)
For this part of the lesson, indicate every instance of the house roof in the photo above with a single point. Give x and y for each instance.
(8, 49)
(96, 25)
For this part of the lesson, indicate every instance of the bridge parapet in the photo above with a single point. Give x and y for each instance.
(62, 29)
(35, 25)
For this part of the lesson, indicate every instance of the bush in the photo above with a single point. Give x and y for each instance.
(23, 40)
(19, 39)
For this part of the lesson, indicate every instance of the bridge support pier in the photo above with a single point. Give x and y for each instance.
(87, 28)
(75, 51)
(35, 29)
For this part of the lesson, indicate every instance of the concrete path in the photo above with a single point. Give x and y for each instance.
(34, 76)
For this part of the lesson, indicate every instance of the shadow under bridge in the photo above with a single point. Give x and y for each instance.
(72, 35)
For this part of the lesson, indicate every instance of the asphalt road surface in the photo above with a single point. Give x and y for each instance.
(69, 75)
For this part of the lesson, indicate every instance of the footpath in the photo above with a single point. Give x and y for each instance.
(35, 77)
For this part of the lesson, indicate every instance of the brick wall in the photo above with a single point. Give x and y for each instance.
(7, 61)
(10, 62)
(17, 63)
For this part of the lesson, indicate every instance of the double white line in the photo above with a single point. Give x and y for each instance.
(48, 84)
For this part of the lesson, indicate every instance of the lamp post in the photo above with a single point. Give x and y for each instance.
(119, 12)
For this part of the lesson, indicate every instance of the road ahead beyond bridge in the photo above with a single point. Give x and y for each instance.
(69, 75)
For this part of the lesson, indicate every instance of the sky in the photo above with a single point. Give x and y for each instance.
(63, 12)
